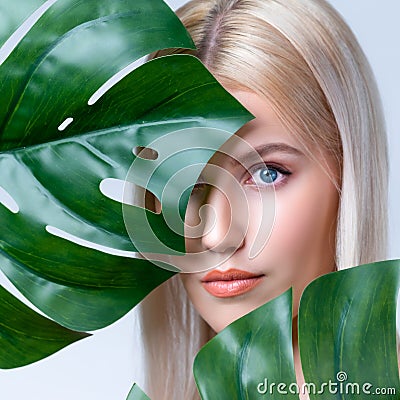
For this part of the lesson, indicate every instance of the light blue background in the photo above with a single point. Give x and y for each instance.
(104, 367)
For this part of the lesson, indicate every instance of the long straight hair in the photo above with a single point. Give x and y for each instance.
(303, 58)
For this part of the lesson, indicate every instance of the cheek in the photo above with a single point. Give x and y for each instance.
(302, 222)
(302, 243)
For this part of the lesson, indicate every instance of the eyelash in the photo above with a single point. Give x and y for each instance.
(280, 180)
(198, 188)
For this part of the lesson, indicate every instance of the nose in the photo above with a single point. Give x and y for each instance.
(225, 221)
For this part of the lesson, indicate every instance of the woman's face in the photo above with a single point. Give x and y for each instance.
(301, 245)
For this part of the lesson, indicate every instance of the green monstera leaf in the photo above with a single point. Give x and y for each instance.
(259, 343)
(347, 331)
(136, 394)
(64, 243)
(28, 336)
(347, 341)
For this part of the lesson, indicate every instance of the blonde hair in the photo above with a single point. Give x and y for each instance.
(302, 57)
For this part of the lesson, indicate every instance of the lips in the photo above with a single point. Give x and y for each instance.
(230, 283)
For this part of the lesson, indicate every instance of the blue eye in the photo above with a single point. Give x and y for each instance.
(265, 176)
(268, 175)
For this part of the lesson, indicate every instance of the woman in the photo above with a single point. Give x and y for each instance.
(298, 68)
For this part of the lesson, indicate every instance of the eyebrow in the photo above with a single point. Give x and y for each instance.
(266, 149)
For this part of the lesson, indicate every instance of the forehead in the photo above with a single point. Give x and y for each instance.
(268, 133)
(262, 136)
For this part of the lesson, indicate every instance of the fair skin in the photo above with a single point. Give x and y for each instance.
(301, 245)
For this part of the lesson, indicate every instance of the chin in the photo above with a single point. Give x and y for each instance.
(227, 314)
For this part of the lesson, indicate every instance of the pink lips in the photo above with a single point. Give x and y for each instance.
(230, 283)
